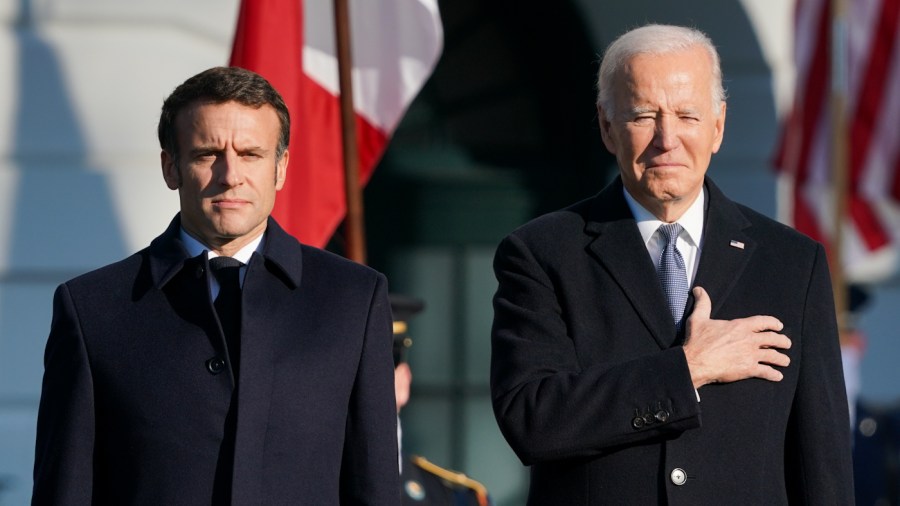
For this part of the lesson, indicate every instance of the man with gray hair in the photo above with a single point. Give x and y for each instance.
(659, 343)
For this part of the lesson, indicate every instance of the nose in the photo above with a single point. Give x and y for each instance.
(665, 136)
(228, 170)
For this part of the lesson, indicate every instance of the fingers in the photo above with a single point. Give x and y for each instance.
(723, 351)
(702, 303)
(758, 323)
(762, 323)
(773, 357)
(768, 373)
(773, 340)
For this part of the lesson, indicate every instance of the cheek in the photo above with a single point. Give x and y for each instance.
(199, 180)
(636, 142)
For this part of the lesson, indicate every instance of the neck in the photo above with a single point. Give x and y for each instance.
(226, 246)
(669, 212)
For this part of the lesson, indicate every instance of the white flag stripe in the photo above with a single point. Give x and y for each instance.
(394, 41)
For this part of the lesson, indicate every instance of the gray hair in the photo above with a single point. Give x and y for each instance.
(654, 39)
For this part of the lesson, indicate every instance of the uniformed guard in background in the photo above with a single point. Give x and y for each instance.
(876, 425)
(424, 483)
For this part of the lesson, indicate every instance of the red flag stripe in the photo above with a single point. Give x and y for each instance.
(807, 115)
(871, 93)
(866, 118)
(867, 223)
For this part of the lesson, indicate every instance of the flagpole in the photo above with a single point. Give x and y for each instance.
(839, 155)
(354, 226)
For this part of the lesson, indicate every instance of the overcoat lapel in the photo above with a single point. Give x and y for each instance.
(617, 239)
(182, 280)
(727, 248)
(267, 298)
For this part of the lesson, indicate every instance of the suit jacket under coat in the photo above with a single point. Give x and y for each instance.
(131, 413)
(583, 342)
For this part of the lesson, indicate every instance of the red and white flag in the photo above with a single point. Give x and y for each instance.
(396, 44)
(872, 83)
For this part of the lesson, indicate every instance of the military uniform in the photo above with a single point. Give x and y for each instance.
(876, 455)
(424, 483)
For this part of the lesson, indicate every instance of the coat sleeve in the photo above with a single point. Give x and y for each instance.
(370, 472)
(63, 467)
(818, 462)
(549, 403)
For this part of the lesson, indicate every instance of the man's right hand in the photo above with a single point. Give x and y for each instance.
(722, 351)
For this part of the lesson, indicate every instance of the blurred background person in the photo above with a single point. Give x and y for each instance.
(424, 483)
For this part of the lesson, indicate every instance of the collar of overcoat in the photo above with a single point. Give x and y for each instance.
(281, 251)
(725, 251)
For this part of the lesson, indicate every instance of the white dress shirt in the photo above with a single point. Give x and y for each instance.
(195, 248)
(689, 242)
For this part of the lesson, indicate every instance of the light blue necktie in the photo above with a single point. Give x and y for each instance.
(672, 273)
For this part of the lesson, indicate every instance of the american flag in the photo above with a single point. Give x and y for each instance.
(868, 70)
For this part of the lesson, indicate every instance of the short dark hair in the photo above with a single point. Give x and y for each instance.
(219, 85)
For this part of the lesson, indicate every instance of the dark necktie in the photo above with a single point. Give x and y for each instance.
(227, 271)
(672, 273)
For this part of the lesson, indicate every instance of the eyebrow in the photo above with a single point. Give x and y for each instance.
(635, 111)
(204, 149)
(641, 110)
(211, 148)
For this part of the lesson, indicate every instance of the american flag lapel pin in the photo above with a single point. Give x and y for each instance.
(736, 244)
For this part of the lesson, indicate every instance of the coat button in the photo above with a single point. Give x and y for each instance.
(637, 422)
(662, 415)
(648, 419)
(215, 365)
(199, 272)
(678, 476)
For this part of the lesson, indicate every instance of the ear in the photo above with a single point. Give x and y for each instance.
(170, 170)
(720, 129)
(281, 170)
(605, 132)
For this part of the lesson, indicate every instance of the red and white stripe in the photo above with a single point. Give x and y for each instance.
(872, 80)
(396, 44)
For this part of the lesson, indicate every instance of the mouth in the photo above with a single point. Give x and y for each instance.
(229, 203)
(664, 165)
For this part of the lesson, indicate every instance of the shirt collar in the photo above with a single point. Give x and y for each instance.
(691, 220)
(195, 247)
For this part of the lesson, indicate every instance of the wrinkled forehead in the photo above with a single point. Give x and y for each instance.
(212, 121)
(686, 74)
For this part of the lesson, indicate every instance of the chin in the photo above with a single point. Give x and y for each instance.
(227, 230)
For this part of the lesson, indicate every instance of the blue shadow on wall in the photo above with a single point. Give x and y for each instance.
(62, 224)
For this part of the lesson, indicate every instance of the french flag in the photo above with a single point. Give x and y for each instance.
(395, 44)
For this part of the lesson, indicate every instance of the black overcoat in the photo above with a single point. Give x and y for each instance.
(584, 346)
(136, 403)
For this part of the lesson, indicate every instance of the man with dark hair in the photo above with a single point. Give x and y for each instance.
(659, 343)
(226, 363)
